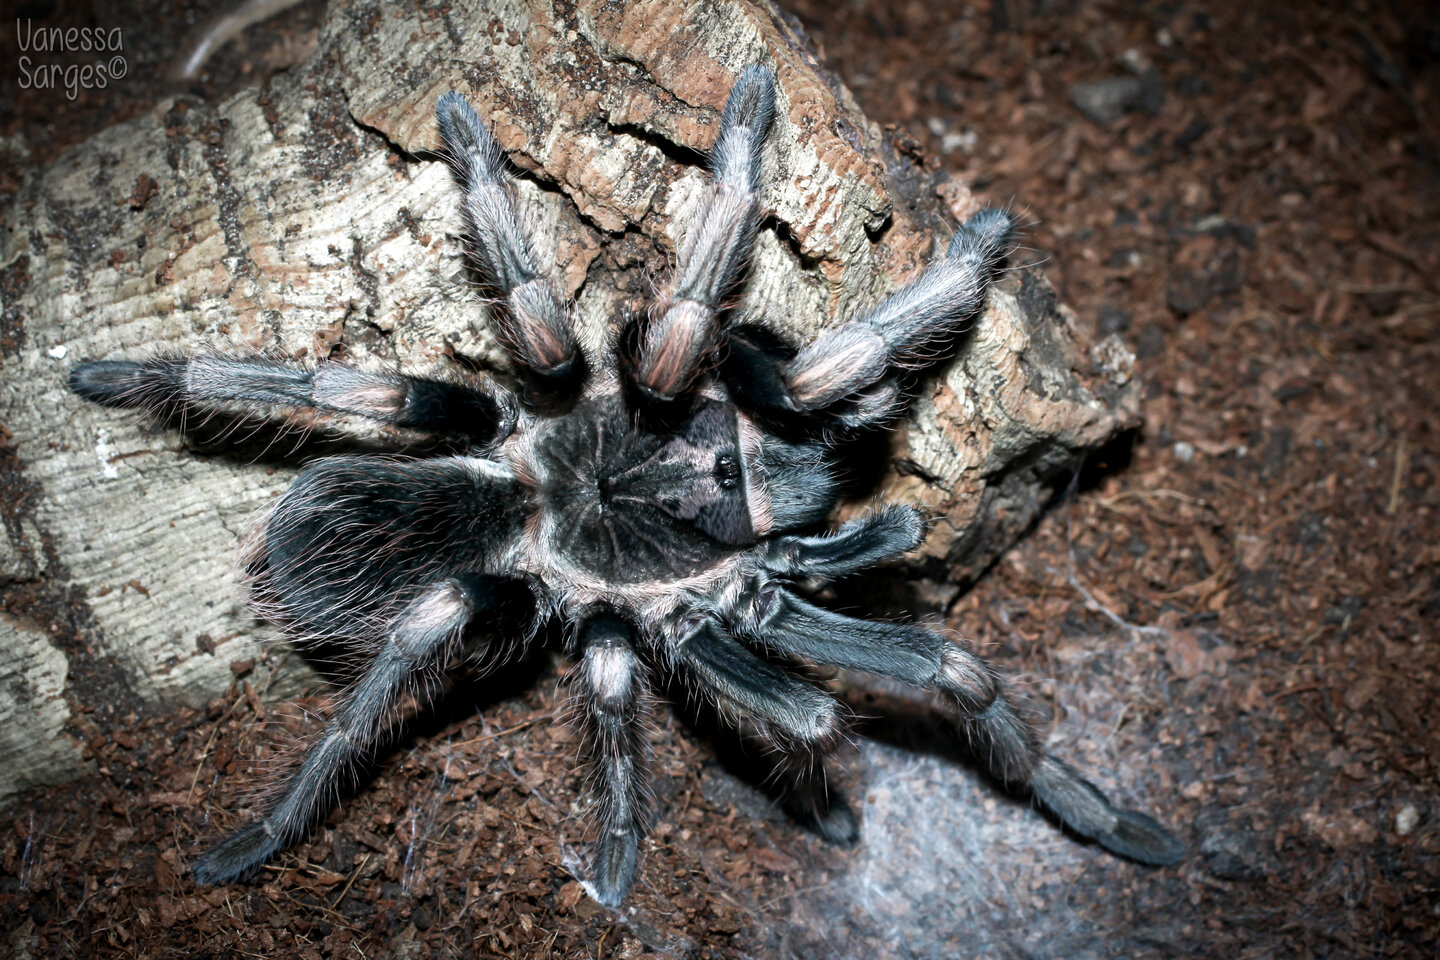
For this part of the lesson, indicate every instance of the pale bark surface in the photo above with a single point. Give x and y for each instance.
(309, 212)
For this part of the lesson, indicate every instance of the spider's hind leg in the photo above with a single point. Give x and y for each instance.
(798, 771)
(417, 646)
(796, 723)
(207, 383)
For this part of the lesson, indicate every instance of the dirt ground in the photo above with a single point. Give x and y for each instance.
(1234, 614)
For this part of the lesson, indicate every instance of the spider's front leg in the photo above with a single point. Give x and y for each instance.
(797, 723)
(849, 371)
(884, 534)
(168, 386)
(418, 644)
(717, 241)
(1003, 736)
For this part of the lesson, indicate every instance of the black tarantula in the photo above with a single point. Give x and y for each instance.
(657, 507)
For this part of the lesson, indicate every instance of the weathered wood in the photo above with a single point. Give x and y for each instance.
(309, 212)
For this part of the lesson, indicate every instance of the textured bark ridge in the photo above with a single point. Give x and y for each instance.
(311, 212)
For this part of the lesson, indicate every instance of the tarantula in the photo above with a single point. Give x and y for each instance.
(663, 508)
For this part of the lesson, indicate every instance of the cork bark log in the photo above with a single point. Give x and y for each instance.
(310, 212)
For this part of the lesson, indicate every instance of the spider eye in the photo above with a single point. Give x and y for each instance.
(727, 471)
(727, 518)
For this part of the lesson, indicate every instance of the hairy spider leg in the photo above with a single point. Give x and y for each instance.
(717, 240)
(611, 691)
(910, 327)
(849, 373)
(798, 771)
(797, 723)
(1002, 735)
(741, 684)
(863, 542)
(166, 386)
(796, 755)
(423, 638)
(534, 324)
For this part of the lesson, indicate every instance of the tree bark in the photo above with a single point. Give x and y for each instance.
(310, 212)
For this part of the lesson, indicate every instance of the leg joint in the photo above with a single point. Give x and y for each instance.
(968, 679)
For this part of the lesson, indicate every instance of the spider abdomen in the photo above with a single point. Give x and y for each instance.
(352, 534)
